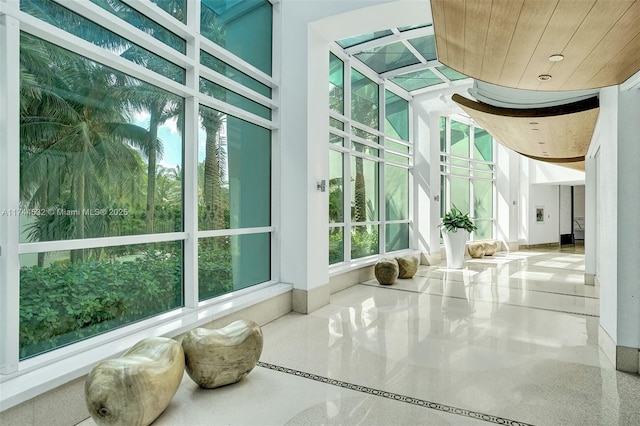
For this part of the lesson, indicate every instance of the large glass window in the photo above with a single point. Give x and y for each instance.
(234, 177)
(467, 173)
(243, 27)
(124, 177)
(372, 149)
(364, 100)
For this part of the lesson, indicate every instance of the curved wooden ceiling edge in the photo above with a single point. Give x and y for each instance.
(570, 108)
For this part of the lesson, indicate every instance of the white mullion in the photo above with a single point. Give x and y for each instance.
(431, 65)
(9, 193)
(235, 231)
(157, 14)
(82, 47)
(276, 145)
(382, 123)
(346, 205)
(190, 188)
(125, 30)
(88, 243)
(236, 87)
(236, 62)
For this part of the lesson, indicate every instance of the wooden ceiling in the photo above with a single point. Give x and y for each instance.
(559, 134)
(509, 42)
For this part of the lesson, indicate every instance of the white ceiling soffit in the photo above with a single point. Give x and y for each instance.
(506, 97)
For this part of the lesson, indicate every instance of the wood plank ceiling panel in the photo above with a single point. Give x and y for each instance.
(503, 21)
(559, 134)
(599, 40)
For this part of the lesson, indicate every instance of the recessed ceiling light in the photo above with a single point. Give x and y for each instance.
(556, 57)
(541, 143)
(544, 77)
(533, 122)
(535, 129)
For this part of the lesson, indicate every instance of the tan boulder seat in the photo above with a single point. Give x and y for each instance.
(387, 271)
(476, 250)
(135, 389)
(219, 357)
(407, 266)
(490, 248)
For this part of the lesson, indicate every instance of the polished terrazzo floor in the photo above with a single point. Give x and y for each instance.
(510, 339)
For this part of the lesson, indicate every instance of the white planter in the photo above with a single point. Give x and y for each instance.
(454, 244)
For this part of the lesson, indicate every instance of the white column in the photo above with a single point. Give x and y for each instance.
(9, 193)
(628, 235)
(590, 215)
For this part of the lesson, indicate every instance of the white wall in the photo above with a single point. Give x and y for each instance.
(578, 200)
(565, 210)
(606, 205)
(545, 196)
(628, 212)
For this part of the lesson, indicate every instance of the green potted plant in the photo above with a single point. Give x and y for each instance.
(456, 227)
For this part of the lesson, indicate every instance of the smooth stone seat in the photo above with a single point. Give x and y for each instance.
(222, 356)
(135, 389)
(407, 266)
(490, 248)
(476, 250)
(387, 271)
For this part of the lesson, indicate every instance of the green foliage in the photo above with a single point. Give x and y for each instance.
(215, 273)
(363, 243)
(455, 219)
(336, 246)
(69, 301)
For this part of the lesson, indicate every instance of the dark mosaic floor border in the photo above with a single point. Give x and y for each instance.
(396, 397)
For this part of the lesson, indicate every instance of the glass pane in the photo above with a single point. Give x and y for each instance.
(220, 67)
(138, 20)
(67, 296)
(75, 24)
(459, 171)
(336, 244)
(443, 134)
(459, 139)
(483, 175)
(485, 230)
(364, 190)
(336, 140)
(364, 100)
(175, 8)
(234, 172)
(397, 116)
(395, 146)
(417, 80)
(336, 123)
(232, 98)
(388, 57)
(362, 38)
(460, 194)
(426, 46)
(397, 236)
(231, 263)
(101, 152)
(364, 241)
(396, 192)
(364, 149)
(396, 158)
(336, 84)
(336, 189)
(243, 27)
(482, 145)
(364, 134)
(482, 199)
(452, 75)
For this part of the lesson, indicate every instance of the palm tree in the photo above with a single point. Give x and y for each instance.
(74, 139)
